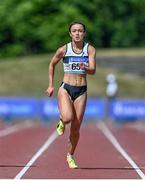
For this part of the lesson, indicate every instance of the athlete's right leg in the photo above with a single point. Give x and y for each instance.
(79, 106)
(66, 109)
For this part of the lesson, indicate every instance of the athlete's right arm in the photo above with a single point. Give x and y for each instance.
(55, 59)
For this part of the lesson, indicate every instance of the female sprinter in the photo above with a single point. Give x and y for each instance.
(79, 59)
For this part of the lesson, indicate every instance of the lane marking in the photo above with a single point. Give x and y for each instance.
(14, 128)
(43, 148)
(118, 147)
(139, 128)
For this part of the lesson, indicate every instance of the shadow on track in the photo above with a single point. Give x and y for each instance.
(109, 168)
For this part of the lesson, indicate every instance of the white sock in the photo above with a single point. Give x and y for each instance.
(69, 155)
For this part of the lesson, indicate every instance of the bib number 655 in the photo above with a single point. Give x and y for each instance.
(75, 66)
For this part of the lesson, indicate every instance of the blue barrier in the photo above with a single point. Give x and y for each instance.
(44, 108)
(15, 107)
(94, 108)
(19, 107)
(128, 109)
(50, 108)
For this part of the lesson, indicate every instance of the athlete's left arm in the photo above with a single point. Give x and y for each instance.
(91, 68)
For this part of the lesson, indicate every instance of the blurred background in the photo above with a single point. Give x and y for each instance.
(31, 31)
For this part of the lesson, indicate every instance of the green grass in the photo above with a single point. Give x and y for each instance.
(121, 52)
(28, 76)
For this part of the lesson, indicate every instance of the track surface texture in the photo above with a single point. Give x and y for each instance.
(106, 150)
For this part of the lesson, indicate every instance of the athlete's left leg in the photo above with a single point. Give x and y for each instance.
(79, 107)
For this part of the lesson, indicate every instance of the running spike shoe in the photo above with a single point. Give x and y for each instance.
(60, 128)
(71, 162)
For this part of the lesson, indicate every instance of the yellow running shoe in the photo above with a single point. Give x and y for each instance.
(71, 162)
(60, 128)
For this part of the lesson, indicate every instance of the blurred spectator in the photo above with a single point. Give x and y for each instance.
(112, 86)
(111, 92)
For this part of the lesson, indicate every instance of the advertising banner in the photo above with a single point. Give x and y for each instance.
(48, 108)
(19, 107)
(128, 109)
(94, 108)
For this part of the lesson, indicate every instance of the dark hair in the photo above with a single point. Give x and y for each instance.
(73, 23)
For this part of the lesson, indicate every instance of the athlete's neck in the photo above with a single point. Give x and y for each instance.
(77, 46)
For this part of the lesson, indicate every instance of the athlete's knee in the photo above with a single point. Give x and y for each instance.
(67, 119)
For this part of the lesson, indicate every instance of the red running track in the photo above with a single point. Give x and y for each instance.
(35, 152)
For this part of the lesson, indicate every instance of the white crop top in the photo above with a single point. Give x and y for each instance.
(71, 59)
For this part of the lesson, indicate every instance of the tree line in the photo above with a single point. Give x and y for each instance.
(41, 26)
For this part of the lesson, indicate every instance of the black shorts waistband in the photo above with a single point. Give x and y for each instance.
(74, 91)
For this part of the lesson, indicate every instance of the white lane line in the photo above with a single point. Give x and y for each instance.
(43, 148)
(140, 128)
(116, 144)
(14, 128)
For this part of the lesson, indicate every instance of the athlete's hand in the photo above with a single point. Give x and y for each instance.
(50, 91)
(82, 66)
